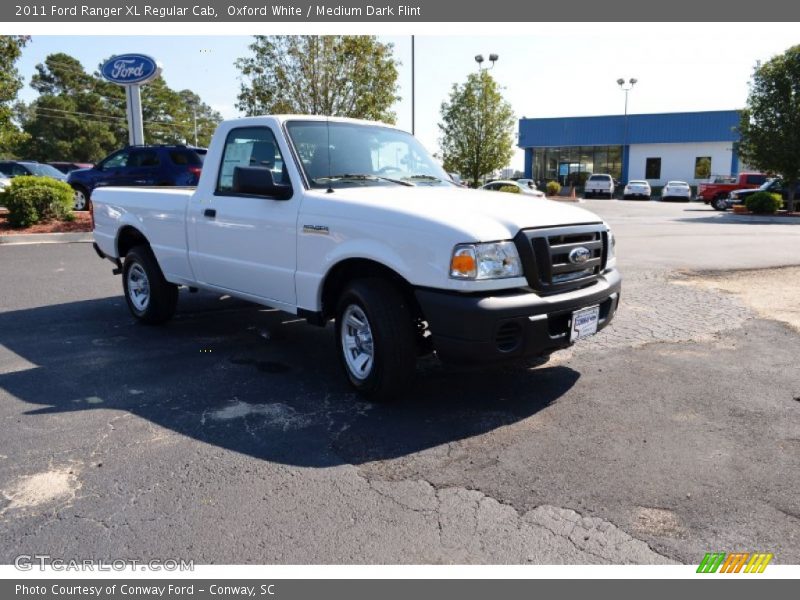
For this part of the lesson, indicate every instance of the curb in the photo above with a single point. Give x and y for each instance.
(47, 238)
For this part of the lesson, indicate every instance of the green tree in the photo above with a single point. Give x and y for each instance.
(75, 117)
(335, 75)
(169, 117)
(477, 128)
(80, 116)
(769, 125)
(10, 83)
(197, 111)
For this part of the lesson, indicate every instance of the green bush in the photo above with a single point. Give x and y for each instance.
(33, 199)
(553, 188)
(763, 203)
(511, 189)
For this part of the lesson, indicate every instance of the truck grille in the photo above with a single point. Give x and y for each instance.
(545, 255)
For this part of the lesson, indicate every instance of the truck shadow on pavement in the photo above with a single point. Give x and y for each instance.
(734, 219)
(250, 380)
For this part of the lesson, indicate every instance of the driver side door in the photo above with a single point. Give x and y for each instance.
(246, 242)
(112, 169)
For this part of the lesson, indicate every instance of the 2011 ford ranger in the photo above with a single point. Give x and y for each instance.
(354, 221)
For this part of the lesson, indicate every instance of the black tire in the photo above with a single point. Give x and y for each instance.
(161, 296)
(392, 333)
(719, 203)
(87, 202)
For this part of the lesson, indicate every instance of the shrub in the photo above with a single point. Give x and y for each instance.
(763, 203)
(511, 189)
(33, 199)
(553, 188)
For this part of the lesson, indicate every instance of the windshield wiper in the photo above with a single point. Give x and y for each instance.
(361, 177)
(423, 177)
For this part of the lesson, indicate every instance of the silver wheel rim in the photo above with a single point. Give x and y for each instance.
(138, 287)
(80, 200)
(357, 345)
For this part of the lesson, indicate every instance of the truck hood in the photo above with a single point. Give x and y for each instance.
(746, 191)
(480, 215)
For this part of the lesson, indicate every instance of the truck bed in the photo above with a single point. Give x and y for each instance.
(159, 211)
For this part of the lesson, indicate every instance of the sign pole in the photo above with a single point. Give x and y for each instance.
(132, 71)
(133, 101)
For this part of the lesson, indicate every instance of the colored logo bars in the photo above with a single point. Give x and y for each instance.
(735, 562)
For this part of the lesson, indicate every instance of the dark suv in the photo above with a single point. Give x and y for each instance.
(774, 186)
(139, 165)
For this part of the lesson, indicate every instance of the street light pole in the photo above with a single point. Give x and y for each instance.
(493, 58)
(413, 98)
(622, 85)
(194, 118)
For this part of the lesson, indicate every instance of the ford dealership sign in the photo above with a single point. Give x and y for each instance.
(130, 69)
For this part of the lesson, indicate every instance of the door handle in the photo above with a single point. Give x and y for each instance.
(210, 213)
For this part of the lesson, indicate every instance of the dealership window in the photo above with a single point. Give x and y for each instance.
(652, 168)
(571, 165)
(702, 167)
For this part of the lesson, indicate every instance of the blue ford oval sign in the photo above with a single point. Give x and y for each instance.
(130, 69)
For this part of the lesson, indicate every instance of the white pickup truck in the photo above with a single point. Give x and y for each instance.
(354, 221)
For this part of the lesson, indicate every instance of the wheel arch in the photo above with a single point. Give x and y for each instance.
(350, 269)
(129, 237)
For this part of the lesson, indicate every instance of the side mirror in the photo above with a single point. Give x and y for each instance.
(259, 182)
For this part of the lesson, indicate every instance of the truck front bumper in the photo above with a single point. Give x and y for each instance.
(473, 329)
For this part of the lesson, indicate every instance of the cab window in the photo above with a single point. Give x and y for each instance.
(251, 147)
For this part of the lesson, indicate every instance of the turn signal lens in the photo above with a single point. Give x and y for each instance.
(493, 260)
(463, 265)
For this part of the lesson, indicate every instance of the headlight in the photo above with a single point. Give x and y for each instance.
(496, 260)
(734, 195)
(611, 261)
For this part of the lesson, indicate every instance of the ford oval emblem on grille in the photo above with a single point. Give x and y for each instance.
(579, 255)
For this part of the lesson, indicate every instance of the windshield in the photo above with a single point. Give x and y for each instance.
(46, 171)
(335, 154)
(770, 183)
(638, 183)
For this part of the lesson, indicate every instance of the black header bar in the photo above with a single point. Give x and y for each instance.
(414, 11)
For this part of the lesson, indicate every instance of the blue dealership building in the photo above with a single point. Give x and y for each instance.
(655, 147)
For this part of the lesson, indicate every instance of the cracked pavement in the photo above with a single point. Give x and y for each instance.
(229, 436)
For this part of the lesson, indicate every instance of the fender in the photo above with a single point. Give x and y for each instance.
(309, 285)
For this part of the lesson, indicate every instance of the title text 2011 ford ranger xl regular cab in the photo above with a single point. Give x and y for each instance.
(354, 221)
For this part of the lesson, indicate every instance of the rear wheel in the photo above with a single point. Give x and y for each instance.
(150, 297)
(376, 338)
(81, 199)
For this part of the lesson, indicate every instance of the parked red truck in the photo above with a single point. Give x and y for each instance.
(719, 186)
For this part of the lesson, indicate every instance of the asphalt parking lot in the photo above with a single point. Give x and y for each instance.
(229, 436)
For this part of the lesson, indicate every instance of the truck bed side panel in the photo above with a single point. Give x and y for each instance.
(158, 213)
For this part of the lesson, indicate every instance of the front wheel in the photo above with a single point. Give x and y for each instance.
(375, 335)
(719, 203)
(151, 298)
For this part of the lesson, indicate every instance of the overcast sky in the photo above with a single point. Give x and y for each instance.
(555, 70)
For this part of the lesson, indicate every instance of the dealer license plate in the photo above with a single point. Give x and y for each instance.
(584, 323)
